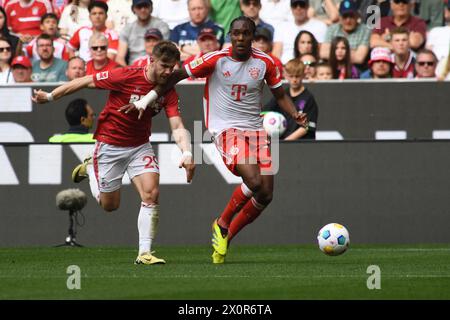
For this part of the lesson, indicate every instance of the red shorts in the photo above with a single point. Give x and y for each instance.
(245, 147)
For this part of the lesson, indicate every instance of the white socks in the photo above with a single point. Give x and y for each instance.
(93, 182)
(147, 225)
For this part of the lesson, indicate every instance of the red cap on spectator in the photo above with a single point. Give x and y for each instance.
(380, 54)
(21, 60)
(206, 32)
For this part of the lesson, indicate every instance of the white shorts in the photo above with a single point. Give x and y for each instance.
(111, 162)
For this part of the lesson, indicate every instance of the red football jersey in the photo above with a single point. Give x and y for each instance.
(26, 19)
(128, 85)
(90, 69)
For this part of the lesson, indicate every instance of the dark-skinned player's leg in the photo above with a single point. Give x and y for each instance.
(262, 188)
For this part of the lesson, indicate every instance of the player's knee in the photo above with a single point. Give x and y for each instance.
(110, 207)
(254, 183)
(151, 196)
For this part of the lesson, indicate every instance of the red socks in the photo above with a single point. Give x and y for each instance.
(240, 197)
(251, 210)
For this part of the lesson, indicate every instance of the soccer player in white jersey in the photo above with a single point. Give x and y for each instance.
(123, 139)
(232, 105)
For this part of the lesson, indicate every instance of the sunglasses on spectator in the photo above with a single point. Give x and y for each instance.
(401, 1)
(428, 63)
(5, 49)
(96, 48)
(309, 63)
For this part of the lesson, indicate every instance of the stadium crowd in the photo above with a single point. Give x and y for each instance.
(59, 40)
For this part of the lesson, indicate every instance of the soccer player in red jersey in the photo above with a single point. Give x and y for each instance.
(232, 104)
(123, 139)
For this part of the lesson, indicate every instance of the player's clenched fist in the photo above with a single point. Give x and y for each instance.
(41, 96)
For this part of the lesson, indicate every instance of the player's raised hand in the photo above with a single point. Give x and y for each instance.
(187, 162)
(40, 96)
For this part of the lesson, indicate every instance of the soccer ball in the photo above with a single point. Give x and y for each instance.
(274, 123)
(333, 239)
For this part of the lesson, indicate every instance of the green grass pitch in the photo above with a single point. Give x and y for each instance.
(251, 272)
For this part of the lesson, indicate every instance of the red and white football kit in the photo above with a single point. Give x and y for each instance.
(26, 18)
(232, 103)
(123, 139)
(80, 41)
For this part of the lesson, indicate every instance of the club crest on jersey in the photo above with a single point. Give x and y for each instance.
(254, 72)
(196, 62)
(102, 75)
(35, 11)
(234, 150)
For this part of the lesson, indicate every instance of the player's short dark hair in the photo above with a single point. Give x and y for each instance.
(98, 4)
(75, 110)
(250, 22)
(166, 51)
(49, 15)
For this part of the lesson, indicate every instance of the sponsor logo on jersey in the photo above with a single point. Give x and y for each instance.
(254, 72)
(227, 74)
(102, 75)
(196, 62)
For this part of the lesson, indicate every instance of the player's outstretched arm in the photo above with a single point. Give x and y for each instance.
(286, 104)
(183, 141)
(156, 92)
(41, 96)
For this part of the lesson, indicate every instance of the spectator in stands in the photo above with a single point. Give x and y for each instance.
(380, 63)
(251, 9)
(5, 61)
(426, 63)
(24, 17)
(324, 10)
(223, 12)
(310, 63)
(185, 35)
(100, 62)
(443, 69)
(130, 43)
(303, 101)
(275, 12)
(152, 37)
(16, 44)
(21, 69)
(207, 42)
(305, 42)
(120, 13)
(401, 17)
(263, 41)
(438, 39)
(357, 34)
(80, 117)
(74, 16)
(324, 71)
(76, 68)
(431, 11)
(402, 56)
(48, 68)
(340, 60)
(49, 25)
(98, 13)
(172, 12)
(285, 33)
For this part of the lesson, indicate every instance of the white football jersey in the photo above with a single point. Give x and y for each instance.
(233, 89)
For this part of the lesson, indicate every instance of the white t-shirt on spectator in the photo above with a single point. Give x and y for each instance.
(275, 12)
(68, 22)
(120, 13)
(438, 39)
(172, 12)
(287, 31)
(6, 76)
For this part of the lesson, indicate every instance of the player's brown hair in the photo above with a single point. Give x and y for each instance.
(295, 67)
(166, 51)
